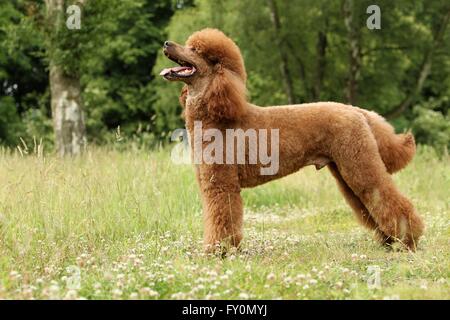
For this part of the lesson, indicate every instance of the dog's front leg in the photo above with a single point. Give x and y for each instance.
(222, 207)
(222, 213)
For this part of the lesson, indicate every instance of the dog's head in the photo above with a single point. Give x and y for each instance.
(212, 64)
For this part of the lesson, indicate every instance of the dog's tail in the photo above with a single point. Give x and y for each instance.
(396, 150)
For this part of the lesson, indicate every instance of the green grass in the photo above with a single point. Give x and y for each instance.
(128, 225)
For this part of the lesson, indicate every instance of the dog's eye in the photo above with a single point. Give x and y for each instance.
(214, 60)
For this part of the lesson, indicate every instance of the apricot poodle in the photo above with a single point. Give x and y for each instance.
(358, 146)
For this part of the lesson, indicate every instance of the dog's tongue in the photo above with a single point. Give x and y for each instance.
(166, 71)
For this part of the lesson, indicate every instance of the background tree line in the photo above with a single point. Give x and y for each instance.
(295, 51)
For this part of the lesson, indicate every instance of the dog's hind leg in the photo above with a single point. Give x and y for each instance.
(361, 212)
(360, 164)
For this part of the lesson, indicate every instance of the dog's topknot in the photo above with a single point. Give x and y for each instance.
(215, 46)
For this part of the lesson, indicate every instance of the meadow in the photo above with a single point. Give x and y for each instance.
(128, 225)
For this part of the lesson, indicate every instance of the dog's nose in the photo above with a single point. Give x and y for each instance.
(167, 44)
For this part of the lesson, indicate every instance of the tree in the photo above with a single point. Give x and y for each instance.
(109, 60)
(23, 77)
(354, 53)
(284, 63)
(65, 88)
(294, 51)
(120, 40)
(424, 68)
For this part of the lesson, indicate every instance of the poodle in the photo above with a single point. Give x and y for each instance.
(358, 146)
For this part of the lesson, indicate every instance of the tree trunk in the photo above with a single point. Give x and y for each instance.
(296, 54)
(321, 47)
(66, 101)
(354, 52)
(285, 73)
(67, 113)
(424, 71)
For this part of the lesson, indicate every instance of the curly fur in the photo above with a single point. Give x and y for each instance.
(225, 97)
(358, 146)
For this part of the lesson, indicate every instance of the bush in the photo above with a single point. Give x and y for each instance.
(38, 127)
(432, 127)
(11, 126)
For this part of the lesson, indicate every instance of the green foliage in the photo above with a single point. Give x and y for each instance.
(10, 124)
(117, 54)
(113, 53)
(38, 127)
(431, 126)
(23, 78)
(390, 57)
(116, 49)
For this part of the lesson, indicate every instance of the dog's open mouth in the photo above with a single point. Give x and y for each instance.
(185, 70)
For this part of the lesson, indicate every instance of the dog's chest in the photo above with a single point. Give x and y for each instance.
(195, 109)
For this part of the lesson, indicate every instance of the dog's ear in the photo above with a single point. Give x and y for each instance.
(183, 96)
(226, 95)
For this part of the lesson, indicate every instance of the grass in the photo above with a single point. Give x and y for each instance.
(129, 226)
